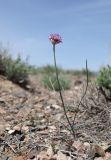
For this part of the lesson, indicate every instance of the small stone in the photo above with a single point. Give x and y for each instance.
(17, 128)
(48, 107)
(76, 88)
(25, 128)
(52, 128)
(11, 131)
(7, 128)
(2, 111)
(99, 150)
(40, 115)
(87, 146)
(9, 118)
(27, 138)
(31, 156)
(43, 120)
(77, 145)
(55, 106)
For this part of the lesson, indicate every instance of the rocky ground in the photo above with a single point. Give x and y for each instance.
(33, 125)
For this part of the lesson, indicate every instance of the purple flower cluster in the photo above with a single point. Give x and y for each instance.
(55, 38)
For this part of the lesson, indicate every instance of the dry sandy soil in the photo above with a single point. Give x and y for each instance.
(33, 126)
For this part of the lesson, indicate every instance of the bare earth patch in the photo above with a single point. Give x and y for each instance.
(33, 125)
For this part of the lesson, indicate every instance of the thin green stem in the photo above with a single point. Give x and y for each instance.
(60, 92)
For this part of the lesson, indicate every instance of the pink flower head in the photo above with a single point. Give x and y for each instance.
(55, 38)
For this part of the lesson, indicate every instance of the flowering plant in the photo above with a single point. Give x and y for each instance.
(56, 39)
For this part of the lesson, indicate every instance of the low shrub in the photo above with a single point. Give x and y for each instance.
(104, 78)
(50, 82)
(14, 69)
(17, 71)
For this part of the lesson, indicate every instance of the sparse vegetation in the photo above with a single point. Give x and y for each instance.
(104, 78)
(18, 72)
(81, 72)
(49, 69)
(50, 82)
(14, 69)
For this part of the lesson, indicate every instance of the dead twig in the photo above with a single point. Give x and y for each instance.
(69, 153)
(18, 144)
(11, 147)
(87, 79)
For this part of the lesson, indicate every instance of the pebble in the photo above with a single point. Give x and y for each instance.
(9, 118)
(11, 131)
(25, 128)
(55, 106)
(40, 115)
(2, 111)
(17, 128)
